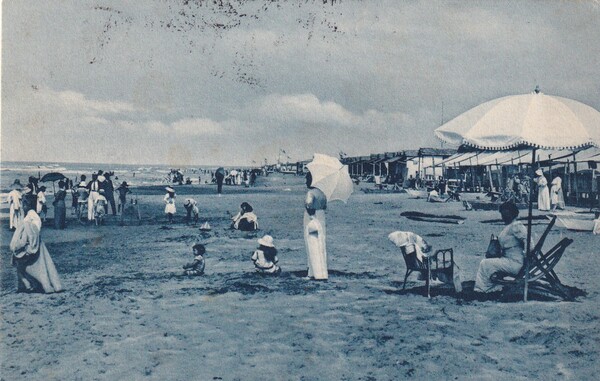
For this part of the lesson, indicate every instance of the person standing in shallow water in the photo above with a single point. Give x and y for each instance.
(315, 205)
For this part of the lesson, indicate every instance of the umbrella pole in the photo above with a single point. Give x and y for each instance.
(529, 223)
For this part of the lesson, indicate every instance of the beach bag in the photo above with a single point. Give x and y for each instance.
(494, 249)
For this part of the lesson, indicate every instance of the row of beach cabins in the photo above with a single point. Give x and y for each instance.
(475, 171)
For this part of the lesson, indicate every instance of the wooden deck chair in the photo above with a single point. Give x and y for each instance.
(440, 265)
(542, 278)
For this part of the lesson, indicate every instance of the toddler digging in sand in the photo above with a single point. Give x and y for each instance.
(197, 266)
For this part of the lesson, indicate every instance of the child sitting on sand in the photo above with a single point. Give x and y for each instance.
(265, 257)
(197, 266)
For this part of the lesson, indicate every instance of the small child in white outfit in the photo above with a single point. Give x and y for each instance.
(265, 257)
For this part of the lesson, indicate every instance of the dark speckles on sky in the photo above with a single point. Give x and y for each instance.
(232, 82)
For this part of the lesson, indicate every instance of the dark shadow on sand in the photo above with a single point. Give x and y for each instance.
(469, 295)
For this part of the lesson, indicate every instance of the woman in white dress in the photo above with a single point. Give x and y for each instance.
(315, 232)
(556, 194)
(169, 200)
(512, 240)
(35, 268)
(42, 208)
(543, 192)
(14, 200)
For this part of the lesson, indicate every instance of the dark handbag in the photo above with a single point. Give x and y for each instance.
(494, 249)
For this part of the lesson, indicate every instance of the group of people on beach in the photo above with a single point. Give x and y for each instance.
(22, 198)
(34, 264)
(265, 258)
(549, 199)
(91, 199)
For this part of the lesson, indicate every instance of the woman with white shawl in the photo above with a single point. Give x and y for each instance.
(556, 194)
(543, 193)
(35, 269)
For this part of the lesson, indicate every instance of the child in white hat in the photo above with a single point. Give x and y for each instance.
(265, 257)
(169, 200)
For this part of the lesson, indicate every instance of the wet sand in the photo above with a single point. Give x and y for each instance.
(128, 314)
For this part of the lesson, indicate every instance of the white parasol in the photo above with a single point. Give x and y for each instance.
(331, 177)
(534, 120)
(529, 121)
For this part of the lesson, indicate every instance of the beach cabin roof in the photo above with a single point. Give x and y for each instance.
(444, 152)
(411, 153)
(396, 159)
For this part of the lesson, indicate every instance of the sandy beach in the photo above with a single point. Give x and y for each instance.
(128, 314)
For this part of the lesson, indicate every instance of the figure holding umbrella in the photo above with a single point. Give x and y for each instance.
(327, 180)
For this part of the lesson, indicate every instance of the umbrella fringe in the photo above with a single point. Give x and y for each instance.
(528, 144)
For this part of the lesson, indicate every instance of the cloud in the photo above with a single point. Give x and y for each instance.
(304, 108)
(78, 103)
(190, 127)
(197, 126)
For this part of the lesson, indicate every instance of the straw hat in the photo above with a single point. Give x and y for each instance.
(170, 190)
(101, 178)
(539, 172)
(267, 241)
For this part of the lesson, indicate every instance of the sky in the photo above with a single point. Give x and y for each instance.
(236, 82)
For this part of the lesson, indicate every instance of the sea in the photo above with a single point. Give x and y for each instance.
(134, 174)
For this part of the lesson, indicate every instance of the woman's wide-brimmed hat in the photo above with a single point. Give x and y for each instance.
(266, 241)
(246, 207)
(539, 172)
(170, 190)
(16, 184)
